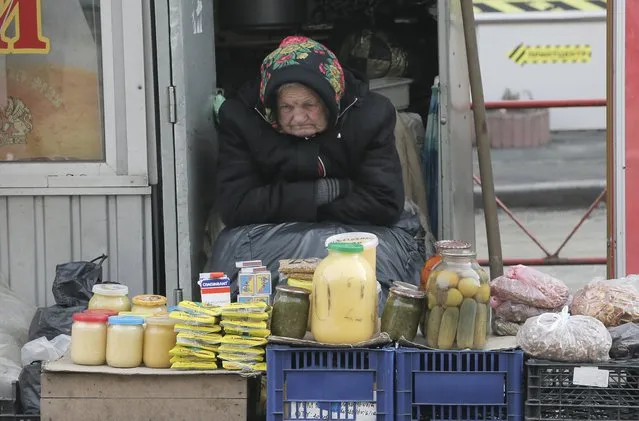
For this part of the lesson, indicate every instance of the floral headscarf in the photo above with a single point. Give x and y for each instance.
(303, 60)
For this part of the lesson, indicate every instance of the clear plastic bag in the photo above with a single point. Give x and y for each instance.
(15, 314)
(625, 341)
(562, 337)
(42, 349)
(612, 301)
(503, 327)
(526, 285)
(517, 312)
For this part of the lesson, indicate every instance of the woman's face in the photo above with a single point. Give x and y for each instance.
(300, 111)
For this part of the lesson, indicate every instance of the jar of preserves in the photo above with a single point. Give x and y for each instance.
(159, 339)
(290, 312)
(436, 258)
(344, 296)
(402, 313)
(110, 297)
(125, 339)
(89, 338)
(458, 296)
(368, 240)
(149, 305)
(104, 311)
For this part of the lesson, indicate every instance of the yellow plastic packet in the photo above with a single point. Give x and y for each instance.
(199, 309)
(300, 283)
(248, 317)
(207, 339)
(188, 319)
(238, 365)
(245, 308)
(247, 331)
(194, 343)
(243, 341)
(183, 359)
(187, 351)
(240, 324)
(241, 357)
(228, 348)
(197, 330)
(195, 366)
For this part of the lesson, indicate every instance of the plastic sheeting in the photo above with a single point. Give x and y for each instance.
(400, 255)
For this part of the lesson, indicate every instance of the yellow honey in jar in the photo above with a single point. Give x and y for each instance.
(159, 339)
(149, 305)
(88, 338)
(344, 296)
(110, 297)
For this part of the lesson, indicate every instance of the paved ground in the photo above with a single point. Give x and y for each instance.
(551, 228)
(570, 171)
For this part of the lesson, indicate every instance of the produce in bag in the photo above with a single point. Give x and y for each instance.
(503, 327)
(526, 285)
(613, 301)
(562, 337)
(517, 312)
(625, 341)
(458, 296)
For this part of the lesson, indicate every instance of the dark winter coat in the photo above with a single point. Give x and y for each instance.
(265, 176)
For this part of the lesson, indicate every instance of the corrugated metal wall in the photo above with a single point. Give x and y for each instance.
(37, 233)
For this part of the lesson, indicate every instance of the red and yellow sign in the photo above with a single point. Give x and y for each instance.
(25, 17)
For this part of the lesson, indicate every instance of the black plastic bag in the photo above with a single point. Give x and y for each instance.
(74, 281)
(400, 254)
(29, 384)
(52, 321)
(625, 341)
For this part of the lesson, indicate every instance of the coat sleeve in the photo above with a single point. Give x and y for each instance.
(245, 197)
(377, 193)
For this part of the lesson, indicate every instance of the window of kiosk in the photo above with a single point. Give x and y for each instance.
(72, 94)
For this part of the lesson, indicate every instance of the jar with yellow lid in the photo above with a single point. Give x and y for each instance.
(110, 297)
(149, 304)
(88, 338)
(344, 296)
(159, 339)
(125, 339)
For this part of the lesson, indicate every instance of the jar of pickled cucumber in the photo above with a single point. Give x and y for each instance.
(437, 257)
(458, 295)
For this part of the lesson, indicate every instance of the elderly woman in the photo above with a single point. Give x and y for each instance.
(311, 143)
(308, 153)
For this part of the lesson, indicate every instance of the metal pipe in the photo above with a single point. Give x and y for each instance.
(551, 261)
(610, 147)
(483, 142)
(545, 103)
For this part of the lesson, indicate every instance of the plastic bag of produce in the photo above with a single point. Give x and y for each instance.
(625, 341)
(612, 301)
(503, 327)
(562, 337)
(517, 312)
(525, 285)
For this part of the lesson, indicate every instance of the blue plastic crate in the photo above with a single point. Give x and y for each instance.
(329, 384)
(459, 385)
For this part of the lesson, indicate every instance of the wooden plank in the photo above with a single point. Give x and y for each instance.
(84, 385)
(100, 409)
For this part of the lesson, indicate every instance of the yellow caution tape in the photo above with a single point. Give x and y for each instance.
(525, 6)
(543, 54)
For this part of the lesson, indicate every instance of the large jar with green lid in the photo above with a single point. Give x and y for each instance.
(344, 296)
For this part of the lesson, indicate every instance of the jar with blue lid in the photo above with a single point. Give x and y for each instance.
(125, 341)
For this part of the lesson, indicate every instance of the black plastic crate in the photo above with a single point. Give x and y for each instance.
(551, 394)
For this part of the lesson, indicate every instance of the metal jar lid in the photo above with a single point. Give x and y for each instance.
(292, 290)
(408, 293)
(452, 245)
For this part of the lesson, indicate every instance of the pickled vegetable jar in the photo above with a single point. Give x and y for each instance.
(290, 312)
(458, 313)
(402, 313)
(159, 339)
(436, 258)
(150, 305)
(125, 339)
(344, 296)
(110, 297)
(88, 338)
